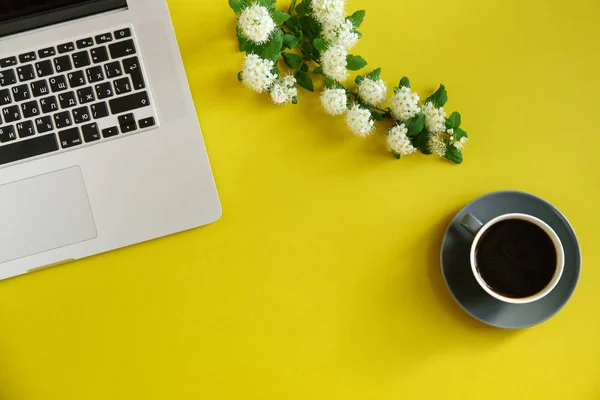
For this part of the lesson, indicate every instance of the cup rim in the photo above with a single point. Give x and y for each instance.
(560, 258)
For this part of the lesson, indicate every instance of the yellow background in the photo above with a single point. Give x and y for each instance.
(322, 281)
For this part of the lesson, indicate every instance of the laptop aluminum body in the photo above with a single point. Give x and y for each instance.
(100, 146)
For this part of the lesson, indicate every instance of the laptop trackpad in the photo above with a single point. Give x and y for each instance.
(44, 213)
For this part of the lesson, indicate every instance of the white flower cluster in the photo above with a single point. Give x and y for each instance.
(257, 73)
(256, 23)
(340, 32)
(460, 144)
(372, 92)
(334, 101)
(405, 104)
(435, 118)
(359, 121)
(437, 146)
(328, 11)
(399, 142)
(334, 63)
(284, 91)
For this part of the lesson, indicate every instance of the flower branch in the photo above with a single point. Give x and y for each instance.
(313, 39)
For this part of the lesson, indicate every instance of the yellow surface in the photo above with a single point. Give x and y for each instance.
(322, 280)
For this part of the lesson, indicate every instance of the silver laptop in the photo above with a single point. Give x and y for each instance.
(100, 145)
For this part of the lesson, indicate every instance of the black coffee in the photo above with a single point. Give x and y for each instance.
(516, 258)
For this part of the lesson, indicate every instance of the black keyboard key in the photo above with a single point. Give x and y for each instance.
(8, 62)
(110, 132)
(5, 97)
(62, 119)
(86, 95)
(81, 115)
(113, 69)
(26, 73)
(58, 83)
(99, 110)
(128, 128)
(49, 104)
(69, 138)
(90, 132)
(95, 74)
(8, 77)
(65, 48)
(122, 86)
(47, 52)
(25, 129)
(84, 43)
(132, 67)
(99, 54)
(44, 124)
(104, 90)
(63, 64)
(27, 57)
(122, 33)
(44, 68)
(128, 103)
(21, 92)
(76, 79)
(30, 109)
(67, 100)
(122, 49)
(81, 59)
(147, 122)
(11, 114)
(24, 149)
(7, 134)
(104, 38)
(39, 88)
(126, 119)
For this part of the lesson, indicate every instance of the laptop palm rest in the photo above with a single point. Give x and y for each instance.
(43, 213)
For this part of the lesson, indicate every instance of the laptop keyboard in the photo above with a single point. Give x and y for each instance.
(70, 95)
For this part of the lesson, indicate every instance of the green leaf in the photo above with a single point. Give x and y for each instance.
(294, 100)
(376, 116)
(293, 24)
(439, 98)
(405, 82)
(320, 44)
(271, 51)
(290, 41)
(304, 68)
(292, 60)
(318, 70)
(238, 5)
(292, 7)
(270, 4)
(459, 134)
(357, 18)
(242, 43)
(329, 83)
(239, 76)
(375, 75)
(453, 154)
(303, 8)
(453, 122)
(280, 16)
(310, 27)
(396, 155)
(420, 141)
(305, 81)
(310, 51)
(359, 79)
(415, 125)
(355, 63)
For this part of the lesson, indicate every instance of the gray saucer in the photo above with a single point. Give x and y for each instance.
(463, 286)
